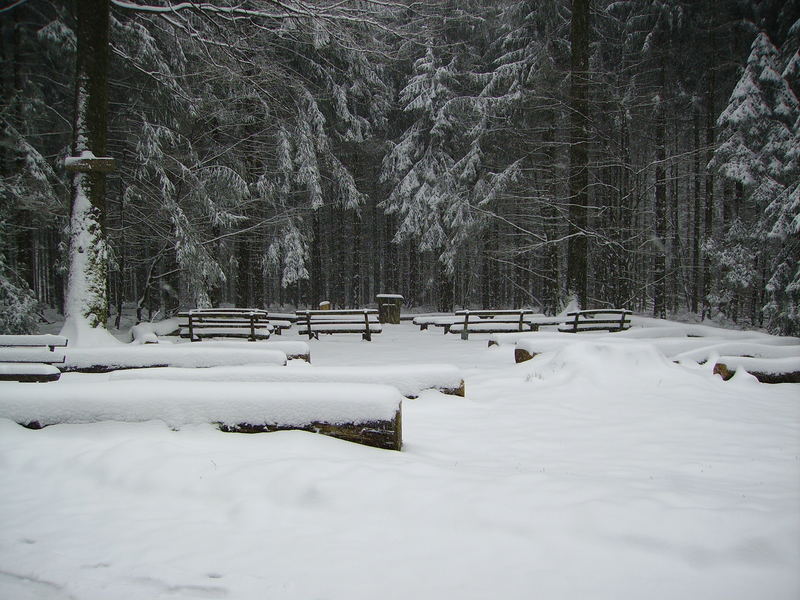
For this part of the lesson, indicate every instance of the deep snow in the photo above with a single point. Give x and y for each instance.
(596, 471)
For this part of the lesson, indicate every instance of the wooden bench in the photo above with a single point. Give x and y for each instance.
(248, 323)
(362, 320)
(31, 358)
(611, 319)
(492, 321)
(444, 321)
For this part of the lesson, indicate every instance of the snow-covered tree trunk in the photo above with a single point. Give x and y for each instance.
(86, 305)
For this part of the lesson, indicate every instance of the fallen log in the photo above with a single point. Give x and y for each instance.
(410, 380)
(727, 370)
(521, 355)
(362, 413)
(128, 356)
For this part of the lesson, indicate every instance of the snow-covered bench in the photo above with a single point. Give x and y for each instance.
(410, 380)
(248, 323)
(31, 358)
(424, 321)
(362, 413)
(611, 319)
(492, 321)
(362, 320)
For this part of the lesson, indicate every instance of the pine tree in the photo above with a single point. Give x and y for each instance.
(758, 153)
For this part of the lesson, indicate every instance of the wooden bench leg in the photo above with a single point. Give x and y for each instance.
(367, 333)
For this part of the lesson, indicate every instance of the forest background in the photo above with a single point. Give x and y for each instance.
(639, 154)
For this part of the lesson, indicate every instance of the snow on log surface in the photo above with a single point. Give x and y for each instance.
(101, 360)
(292, 348)
(409, 380)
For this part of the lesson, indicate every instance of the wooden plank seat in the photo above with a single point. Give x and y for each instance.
(31, 358)
(611, 319)
(246, 323)
(424, 321)
(492, 321)
(361, 320)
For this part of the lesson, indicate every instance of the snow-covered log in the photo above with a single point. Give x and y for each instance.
(103, 360)
(366, 414)
(409, 380)
(766, 370)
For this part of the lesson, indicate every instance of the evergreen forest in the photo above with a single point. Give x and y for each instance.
(640, 154)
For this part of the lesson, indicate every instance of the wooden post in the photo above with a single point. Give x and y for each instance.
(191, 328)
(367, 332)
(465, 330)
(252, 326)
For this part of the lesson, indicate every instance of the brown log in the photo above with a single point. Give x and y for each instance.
(790, 377)
(387, 435)
(521, 355)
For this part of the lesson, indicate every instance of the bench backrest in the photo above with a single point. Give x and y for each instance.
(32, 349)
(45, 340)
(357, 318)
(247, 319)
(611, 319)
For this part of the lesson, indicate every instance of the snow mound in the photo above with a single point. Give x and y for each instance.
(600, 363)
(742, 348)
(144, 331)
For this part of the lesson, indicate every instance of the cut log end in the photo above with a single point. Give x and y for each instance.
(454, 391)
(521, 355)
(723, 371)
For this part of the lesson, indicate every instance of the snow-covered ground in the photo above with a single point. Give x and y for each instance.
(595, 470)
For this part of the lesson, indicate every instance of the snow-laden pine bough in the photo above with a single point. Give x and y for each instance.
(409, 380)
(362, 320)
(31, 358)
(112, 358)
(363, 413)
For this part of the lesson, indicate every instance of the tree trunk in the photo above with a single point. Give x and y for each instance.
(577, 259)
(355, 278)
(87, 295)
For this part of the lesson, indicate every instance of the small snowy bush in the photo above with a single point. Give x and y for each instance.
(18, 305)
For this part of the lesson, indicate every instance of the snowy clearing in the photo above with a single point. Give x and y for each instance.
(596, 470)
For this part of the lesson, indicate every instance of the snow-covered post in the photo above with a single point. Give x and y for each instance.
(86, 304)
